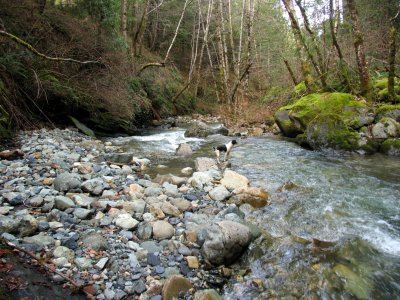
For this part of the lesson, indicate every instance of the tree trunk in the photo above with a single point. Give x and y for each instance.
(123, 17)
(320, 66)
(301, 44)
(359, 48)
(333, 29)
(42, 5)
(392, 58)
(176, 31)
(290, 72)
(141, 28)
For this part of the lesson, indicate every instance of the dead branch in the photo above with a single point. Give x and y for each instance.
(33, 50)
(10, 155)
(245, 72)
(161, 64)
(44, 265)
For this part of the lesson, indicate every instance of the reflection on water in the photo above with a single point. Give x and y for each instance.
(350, 199)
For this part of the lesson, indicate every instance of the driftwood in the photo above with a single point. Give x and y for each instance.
(10, 155)
(45, 266)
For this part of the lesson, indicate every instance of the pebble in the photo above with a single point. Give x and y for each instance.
(107, 222)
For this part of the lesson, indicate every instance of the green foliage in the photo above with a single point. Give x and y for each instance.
(387, 107)
(275, 93)
(106, 12)
(329, 131)
(391, 147)
(380, 88)
(160, 86)
(300, 89)
(322, 103)
(12, 63)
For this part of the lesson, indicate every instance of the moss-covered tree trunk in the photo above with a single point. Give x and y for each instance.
(392, 58)
(365, 84)
(301, 43)
(333, 29)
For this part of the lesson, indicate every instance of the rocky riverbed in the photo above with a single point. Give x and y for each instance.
(92, 212)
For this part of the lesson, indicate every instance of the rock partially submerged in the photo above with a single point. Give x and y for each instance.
(201, 129)
(224, 242)
(339, 121)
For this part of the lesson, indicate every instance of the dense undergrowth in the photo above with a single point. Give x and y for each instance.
(106, 96)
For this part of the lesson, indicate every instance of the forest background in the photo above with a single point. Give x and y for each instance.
(118, 64)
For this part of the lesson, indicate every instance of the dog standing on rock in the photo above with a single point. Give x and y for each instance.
(225, 149)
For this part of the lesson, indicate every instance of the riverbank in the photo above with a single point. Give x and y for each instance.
(90, 211)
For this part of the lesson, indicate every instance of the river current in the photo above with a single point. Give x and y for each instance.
(331, 229)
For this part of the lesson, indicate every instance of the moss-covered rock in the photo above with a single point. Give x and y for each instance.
(388, 111)
(82, 127)
(353, 112)
(380, 87)
(386, 128)
(391, 147)
(286, 125)
(330, 131)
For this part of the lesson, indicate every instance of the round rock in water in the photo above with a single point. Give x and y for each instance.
(224, 242)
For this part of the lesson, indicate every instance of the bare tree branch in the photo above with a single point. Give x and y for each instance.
(33, 50)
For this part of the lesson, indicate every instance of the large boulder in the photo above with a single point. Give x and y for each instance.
(204, 163)
(184, 149)
(94, 186)
(388, 111)
(391, 147)
(27, 225)
(285, 124)
(296, 118)
(175, 180)
(121, 158)
(224, 241)
(386, 128)
(199, 129)
(219, 193)
(233, 180)
(330, 131)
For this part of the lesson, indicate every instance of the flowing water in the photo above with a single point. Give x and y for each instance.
(351, 201)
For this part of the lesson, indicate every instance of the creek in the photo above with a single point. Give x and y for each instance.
(331, 229)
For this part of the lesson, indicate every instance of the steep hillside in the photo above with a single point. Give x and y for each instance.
(104, 93)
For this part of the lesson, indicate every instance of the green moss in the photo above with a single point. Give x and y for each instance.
(300, 89)
(387, 107)
(276, 93)
(330, 131)
(307, 108)
(391, 147)
(380, 88)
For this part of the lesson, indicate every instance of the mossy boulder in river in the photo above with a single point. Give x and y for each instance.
(354, 113)
(330, 131)
(391, 147)
(327, 120)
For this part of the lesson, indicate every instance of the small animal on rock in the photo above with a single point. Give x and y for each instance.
(225, 149)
